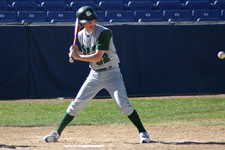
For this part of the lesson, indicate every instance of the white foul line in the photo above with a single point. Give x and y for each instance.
(84, 146)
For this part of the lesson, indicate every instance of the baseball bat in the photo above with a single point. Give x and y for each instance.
(76, 30)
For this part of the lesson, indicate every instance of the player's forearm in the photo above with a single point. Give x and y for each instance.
(89, 58)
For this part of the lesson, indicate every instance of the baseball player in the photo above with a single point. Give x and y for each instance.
(98, 49)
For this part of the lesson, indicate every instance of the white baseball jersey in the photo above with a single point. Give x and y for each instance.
(100, 39)
(109, 79)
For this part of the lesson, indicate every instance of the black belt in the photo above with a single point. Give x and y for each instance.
(102, 69)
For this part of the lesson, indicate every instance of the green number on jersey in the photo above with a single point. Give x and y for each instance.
(105, 59)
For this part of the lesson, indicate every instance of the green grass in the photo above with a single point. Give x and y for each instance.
(203, 111)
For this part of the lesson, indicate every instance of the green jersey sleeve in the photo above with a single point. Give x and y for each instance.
(104, 40)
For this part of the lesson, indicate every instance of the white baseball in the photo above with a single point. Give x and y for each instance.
(221, 55)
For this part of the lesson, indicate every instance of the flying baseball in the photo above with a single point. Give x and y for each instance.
(221, 55)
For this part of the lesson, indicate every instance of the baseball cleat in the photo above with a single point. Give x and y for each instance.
(53, 137)
(144, 137)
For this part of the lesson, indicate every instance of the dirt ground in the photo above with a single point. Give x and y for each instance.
(115, 137)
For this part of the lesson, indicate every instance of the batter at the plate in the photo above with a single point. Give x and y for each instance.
(97, 47)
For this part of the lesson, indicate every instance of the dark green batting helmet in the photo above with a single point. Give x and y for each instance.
(86, 13)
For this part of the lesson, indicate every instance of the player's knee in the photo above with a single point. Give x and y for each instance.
(72, 110)
(127, 110)
(75, 107)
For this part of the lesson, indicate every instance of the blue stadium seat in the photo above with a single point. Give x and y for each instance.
(177, 15)
(32, 16)
(24, 6)
(155, 1)
(168, 5)
(211, 1)
(61, 16)
(207, 15)
(184, 1)
(165, 0)
(127, 1)
(26, 1)
(8, 16)
(101, 16)
(223, 14)
(86, 1)
(198, 0)
(119, 16)
(146, 16)
(51, 1)
(98, 1)
(219, 5)
(197, 5)
(74, 6)
(3, 6)
(140, 5)
(50, 6)
(107, 6)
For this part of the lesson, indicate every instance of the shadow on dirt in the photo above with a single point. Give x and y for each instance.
(183, 143)
(14, 146)
(190, 143)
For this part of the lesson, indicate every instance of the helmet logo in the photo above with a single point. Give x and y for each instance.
(88, 13)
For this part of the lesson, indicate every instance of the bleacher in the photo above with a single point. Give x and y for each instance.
(112, 10)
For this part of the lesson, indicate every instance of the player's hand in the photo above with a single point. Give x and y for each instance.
(74, 52)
